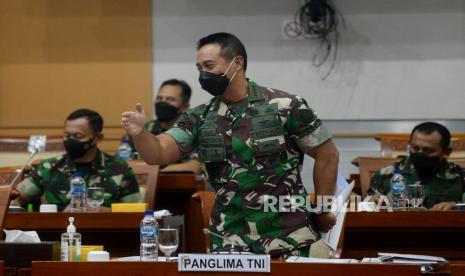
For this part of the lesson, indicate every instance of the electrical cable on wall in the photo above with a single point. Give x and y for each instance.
(320, 19)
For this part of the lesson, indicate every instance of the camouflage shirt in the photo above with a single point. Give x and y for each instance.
(155, 128)
(49, 182)
(447, 184)
(250, 150)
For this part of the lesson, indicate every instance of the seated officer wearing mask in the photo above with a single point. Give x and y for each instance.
(49, 182)
(426, 165)
(251, 141)
(171, 101)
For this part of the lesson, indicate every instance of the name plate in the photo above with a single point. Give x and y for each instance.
(224, 262)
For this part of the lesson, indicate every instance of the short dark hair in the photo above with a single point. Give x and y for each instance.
(431, 127)
(230, 45)
(186, 90)
(95, 120)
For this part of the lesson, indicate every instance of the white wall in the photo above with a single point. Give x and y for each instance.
(398, 58)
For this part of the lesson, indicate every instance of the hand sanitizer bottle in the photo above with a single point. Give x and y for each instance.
(71, 243)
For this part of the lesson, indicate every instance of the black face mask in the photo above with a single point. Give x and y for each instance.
(424, 163)
(215, 84)
(77, 149)
(165, 112)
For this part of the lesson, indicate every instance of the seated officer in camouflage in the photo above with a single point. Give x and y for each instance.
(49, 182)
(426, 165)
(171, 101)
(251, 142)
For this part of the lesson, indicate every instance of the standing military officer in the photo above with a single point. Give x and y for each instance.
(251, 141)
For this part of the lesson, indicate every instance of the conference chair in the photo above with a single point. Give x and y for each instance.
(147, 177)
(206, 200)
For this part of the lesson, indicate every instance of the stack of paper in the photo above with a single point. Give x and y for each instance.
(332, 237)
(404, 259)
(297, 259)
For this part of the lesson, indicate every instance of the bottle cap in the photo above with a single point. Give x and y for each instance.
(148, 212)
(71, 228)
(76, 174)
(397, 171)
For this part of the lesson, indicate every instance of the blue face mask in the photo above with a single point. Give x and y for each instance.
(215, 84)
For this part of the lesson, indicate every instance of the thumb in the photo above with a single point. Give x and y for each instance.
(139, 108)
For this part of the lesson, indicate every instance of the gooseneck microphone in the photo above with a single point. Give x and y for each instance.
(234, 245)
(19, 172)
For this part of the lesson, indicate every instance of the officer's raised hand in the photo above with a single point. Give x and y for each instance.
(133, 121)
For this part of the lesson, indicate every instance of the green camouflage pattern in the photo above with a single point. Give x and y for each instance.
(446, 185)
(155, 128)
(250, 150)
(49, 182)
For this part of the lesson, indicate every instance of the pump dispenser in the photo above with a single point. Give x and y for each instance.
(71, 243)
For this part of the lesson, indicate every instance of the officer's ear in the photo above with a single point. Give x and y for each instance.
(184, 107)
(447, 152)
(99, 138)
(239, 63)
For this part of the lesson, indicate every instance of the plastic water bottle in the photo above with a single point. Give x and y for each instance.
(78, 193)
(124, 150)
(70, 243)
(398, 190)
(149, 237)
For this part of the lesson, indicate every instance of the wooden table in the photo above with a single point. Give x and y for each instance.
(433, 233)
(168, 269)
(430, 233)
(118, 232)
(174, 192)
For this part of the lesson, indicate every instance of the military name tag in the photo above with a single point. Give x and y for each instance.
(224, 262)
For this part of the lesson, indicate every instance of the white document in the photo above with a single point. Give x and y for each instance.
(332, 237)
(371, 261)
(409, 258)
(297, 259)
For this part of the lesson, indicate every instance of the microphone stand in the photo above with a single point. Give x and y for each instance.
(18, 174)
(233, 243)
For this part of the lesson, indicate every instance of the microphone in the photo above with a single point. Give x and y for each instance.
(233, 244)
(19, 172)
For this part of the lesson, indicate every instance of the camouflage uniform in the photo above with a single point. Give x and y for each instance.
(50, 180)
(447, 184)
(248, 150)
(155, 128)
